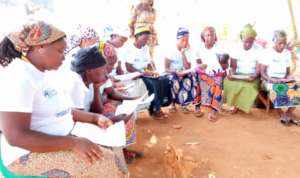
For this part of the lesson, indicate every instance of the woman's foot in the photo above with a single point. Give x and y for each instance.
(185, 110)
(160, 115)
(198, 112)
(234, 110)
(131, 155)
(212, 116)
(285, 121)
(172, 109)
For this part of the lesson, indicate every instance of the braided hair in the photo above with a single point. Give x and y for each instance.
(8, 52)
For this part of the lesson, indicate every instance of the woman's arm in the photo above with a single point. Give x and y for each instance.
(97, 104)
(186, 63)
(168, 65)
(265, 76)
(92, 118)
(130, 68)
(116, 95)
(21, 136)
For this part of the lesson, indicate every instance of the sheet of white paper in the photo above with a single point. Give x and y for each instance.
(114, 136)
(12, 153)
(128, 76)
(129, 106)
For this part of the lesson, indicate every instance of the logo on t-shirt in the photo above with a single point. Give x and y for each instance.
(49, 93)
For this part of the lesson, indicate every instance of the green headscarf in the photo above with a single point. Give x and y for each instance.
(247, 32)
(279, 35)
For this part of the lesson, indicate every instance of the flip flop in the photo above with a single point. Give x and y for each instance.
(285, 121)
(296, 122)
(212, 117)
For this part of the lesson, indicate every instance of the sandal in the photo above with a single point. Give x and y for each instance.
(212, 116)
(296, 122)
(172, 109)
(234, 110)
(185, 110)
(198, 112)
(285, 121)
(159, 115)
(131, 155)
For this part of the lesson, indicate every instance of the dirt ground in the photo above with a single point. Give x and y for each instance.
(251, 145)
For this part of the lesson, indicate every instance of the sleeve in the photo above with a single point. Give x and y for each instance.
(77, 91)
(289, 59)
(265, 58)
(128, 55)
(17, 96)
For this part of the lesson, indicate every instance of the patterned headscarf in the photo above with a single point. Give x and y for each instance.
(248, 31)
(39, 33)
(279, 35)
(82, 33)
(181, 32)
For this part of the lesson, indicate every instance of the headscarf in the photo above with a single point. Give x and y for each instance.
(279, 35)
(35, 34)
(82, 33)
(116, 30)
(181, 32)
(247, 32)
(143, 29)
(87, 58)
(208, 28)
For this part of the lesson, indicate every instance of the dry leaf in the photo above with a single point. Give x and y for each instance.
(211, 175)
(153, 139)
(191, 143)
(177, 126)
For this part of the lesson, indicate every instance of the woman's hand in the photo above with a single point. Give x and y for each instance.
(121, 117)
(87, 149)
(104, 122)
(251, 78)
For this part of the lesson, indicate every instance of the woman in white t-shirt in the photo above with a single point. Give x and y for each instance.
(240, 93)
(137, 59)
(41, 113)
(211, 71)
(177, 65)
(283, 91)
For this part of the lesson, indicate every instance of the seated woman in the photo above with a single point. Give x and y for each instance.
(137, 59)
(211, 73)
(177, 64)
(90, 64)
(277, 80)
(41, 113)
(242, 92)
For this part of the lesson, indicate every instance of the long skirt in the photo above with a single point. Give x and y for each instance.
(67, 164)
(241, 94)
(183, 89)
(109, 111)
(210, 91)
(283, 95)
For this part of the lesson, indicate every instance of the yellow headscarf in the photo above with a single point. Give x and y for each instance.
(248, 31)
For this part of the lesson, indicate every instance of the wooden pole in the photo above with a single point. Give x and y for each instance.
(295, 38)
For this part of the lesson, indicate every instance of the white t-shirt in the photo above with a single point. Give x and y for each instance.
(209, 57)
(83, 96)
(26, 89)
(174, 55)
(276, 63)
(139, 58)
(246, 59)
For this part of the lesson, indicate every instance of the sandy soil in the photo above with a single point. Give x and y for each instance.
(251, 145)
